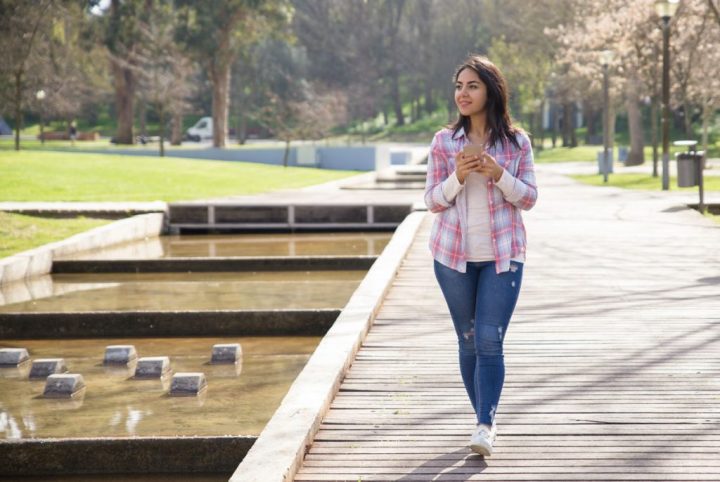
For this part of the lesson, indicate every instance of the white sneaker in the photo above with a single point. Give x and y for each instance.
(482, 439)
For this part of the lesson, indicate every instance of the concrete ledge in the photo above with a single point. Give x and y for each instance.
(279, 215)
(139, 455)
(104, 210)
(279, 451)
(215, 264)
(38, 261)
(25, 325)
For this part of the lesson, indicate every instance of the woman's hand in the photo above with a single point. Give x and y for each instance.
(490, 167)
(465, 164)
(485, 164)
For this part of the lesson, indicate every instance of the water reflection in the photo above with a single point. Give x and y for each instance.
(184, 291)
(276, 244)
(114, 405)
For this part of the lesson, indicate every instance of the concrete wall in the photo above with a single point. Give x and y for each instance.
(38, 261)
(359, 158)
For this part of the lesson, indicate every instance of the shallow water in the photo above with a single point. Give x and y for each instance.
(276, 244)
(239, 400)
(182, 291)
(123, 478)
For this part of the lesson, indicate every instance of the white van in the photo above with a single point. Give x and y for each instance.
(202, 130)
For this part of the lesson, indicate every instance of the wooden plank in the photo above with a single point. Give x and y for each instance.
(612, 370)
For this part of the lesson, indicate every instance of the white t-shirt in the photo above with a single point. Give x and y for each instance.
(478, 246)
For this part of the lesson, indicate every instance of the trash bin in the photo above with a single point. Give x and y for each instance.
(622, 154)
(687, 168)
(600, 161)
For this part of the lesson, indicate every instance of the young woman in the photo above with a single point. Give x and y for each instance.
(478, 238)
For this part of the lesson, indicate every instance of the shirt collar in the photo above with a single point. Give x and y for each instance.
(460, 133)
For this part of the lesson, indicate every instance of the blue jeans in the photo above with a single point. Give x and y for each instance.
(481, 303)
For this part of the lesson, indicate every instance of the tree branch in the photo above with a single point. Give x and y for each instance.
(715, 10)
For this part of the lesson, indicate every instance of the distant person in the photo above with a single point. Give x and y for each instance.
(478, 238)
(73, 132)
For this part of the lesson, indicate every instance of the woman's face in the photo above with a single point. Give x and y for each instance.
(470, 93)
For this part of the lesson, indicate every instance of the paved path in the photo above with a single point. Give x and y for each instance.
(613, 370)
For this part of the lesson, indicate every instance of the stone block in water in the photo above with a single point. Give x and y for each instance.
(11, 357)
(44, 367)
(226, 353)
(119, 354)
(65, 385)
(187, 384)
(152, 367)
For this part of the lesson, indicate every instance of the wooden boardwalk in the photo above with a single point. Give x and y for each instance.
(612, 357)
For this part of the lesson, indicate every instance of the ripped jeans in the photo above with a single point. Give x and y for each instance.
(481, 303)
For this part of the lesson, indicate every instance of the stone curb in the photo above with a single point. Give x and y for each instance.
(38, 261)
(280, 448)
(140, 455)
(124, 324)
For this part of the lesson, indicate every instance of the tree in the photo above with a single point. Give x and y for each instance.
(121, 35)
(214, 31)
(162, 69)
(24, 27)
(310, 117)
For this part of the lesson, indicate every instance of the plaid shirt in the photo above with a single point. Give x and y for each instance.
(516, 190)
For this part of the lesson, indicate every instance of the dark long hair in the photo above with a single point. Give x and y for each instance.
(498, 115)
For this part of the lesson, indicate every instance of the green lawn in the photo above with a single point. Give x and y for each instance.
(649, 183)
(589, 154)
(644, 181)
(19, 233)
(65, 176)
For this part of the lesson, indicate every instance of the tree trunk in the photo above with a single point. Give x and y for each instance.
(220, 76)
(161, 114)
(636, 156)
(176, 136)
(688, 120)
(555, 119)
(707, 111)
(397, 101)
(654, 133)
(287, 153)
(18, 108)
(569, 137)
(124, 94)
(242, 129)
(591, 124)
(611, 125)
(142, 117)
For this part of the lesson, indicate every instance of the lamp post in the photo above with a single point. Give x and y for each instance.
(665, 10)
(606, 57)
(40, 96)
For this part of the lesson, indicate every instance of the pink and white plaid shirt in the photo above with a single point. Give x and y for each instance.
(515, 191)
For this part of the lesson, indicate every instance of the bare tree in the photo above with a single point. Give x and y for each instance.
(310, 118)
(24, 27)
(163, 70)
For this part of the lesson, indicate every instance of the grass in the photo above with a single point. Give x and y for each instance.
(644, 181)
(64, 176)
(19, 232)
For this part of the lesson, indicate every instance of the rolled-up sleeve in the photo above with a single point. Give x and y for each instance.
(437, 173)
(521, 191)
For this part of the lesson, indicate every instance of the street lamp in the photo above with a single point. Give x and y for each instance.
(40, 96)
(666, 9)
(606, 57)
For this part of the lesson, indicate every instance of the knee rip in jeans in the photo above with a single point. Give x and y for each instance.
(467, 343)
(489, 341)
